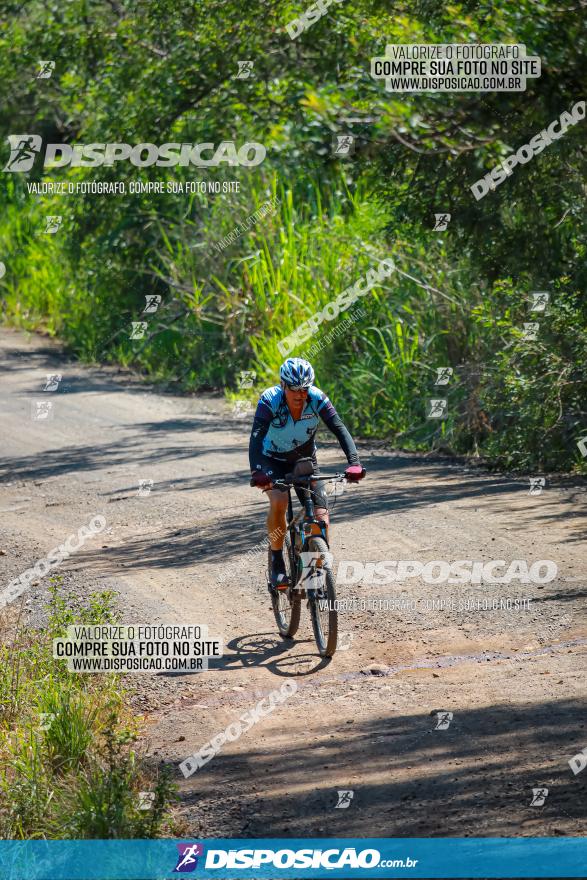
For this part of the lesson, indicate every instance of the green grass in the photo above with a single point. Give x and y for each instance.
(68, 769)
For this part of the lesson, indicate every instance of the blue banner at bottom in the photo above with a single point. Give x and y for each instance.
(294, 858)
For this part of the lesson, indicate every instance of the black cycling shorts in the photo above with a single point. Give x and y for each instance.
(278, 470)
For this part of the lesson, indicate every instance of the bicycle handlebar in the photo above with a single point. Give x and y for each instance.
(289, 480)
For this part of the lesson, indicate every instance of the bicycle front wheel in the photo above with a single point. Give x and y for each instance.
(321, 602)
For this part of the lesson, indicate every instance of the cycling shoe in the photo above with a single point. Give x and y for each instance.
(279, 578)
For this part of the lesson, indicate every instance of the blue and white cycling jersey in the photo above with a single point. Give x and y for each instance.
(275, 435)
(284, 436)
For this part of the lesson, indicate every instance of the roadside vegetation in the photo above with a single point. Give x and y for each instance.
(68, 769)
(164, 72)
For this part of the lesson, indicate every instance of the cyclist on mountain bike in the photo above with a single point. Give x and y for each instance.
(284, 429)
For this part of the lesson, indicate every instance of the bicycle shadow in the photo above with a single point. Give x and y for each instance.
(263, 650)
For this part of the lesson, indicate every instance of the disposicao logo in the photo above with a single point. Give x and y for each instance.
(536, 145)
(25, 147)
(329, 859)
(187, 859)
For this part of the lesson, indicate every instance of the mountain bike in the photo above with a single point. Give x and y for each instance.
(308, 564)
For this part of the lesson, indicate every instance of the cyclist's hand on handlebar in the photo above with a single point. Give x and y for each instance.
(354, 473)
(260, 480)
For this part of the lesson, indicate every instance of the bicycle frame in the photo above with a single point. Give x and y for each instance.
(306, 514)
(316, 581)
(304, 523)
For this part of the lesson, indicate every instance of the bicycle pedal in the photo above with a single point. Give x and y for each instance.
(275, 591)
(279, 587)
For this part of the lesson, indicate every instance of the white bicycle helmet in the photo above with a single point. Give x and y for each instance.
(297, 373)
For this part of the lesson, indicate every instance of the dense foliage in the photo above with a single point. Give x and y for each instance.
(160, 71)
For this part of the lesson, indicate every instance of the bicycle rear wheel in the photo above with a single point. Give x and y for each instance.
(321, 605)
(286, 605)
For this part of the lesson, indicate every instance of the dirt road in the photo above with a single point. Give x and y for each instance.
(514, 681)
